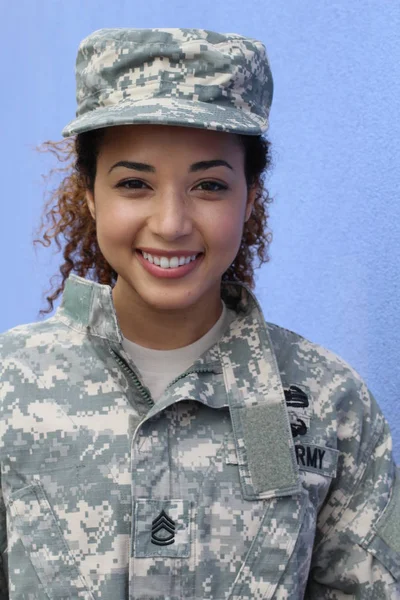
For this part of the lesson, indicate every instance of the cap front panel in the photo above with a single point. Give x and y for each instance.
(126, 70)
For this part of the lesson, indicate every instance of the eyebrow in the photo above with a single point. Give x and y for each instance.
(199, 166)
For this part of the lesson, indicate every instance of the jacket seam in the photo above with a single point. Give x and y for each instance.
(82, 330)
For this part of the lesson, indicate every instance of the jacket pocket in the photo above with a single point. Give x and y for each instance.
(33, 523)
(248, 548)
(268, 559)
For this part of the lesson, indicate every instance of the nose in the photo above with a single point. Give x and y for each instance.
(172, 215)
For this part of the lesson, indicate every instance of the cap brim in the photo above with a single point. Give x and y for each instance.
(168, 111)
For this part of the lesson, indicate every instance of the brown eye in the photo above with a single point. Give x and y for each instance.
(220, 186)
(127, 184)
(134, 184)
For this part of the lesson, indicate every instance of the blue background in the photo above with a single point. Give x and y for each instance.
(335, 128)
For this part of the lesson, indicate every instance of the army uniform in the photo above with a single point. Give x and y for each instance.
(263, 471)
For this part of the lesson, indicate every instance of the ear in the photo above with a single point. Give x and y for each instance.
(251, 196)
(90, 202)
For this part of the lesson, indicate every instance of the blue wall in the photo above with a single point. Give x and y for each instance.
(335, 128)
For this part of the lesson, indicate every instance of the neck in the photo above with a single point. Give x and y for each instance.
(162, 328)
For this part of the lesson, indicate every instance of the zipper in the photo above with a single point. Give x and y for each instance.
(125, 367)
(198, 370)
(142, 390)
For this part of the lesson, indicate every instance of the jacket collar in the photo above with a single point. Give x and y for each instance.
(89, 306)
(251, 387)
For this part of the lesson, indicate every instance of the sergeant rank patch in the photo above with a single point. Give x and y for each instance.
(163, 530)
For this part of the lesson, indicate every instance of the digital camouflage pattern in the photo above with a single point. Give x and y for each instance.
(263, 472)
(175, 76)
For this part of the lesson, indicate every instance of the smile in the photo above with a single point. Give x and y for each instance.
(172, 269)
(167, 263)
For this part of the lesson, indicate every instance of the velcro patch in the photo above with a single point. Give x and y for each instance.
(268, 453)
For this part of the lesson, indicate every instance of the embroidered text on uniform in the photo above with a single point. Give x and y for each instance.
(309, 457)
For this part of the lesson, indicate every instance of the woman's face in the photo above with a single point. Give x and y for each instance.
(169, 205)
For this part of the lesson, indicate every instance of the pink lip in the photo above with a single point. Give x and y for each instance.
(175, 273)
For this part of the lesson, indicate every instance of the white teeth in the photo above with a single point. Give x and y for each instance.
(166, 263)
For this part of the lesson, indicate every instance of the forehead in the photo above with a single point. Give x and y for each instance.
(156, 138)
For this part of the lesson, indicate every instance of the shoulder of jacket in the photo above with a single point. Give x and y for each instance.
(292, 348)
(30, 337)
(284, 340)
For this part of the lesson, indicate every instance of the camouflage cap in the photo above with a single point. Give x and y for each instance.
(187, 77)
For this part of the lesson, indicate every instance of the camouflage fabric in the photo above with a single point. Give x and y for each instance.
(264, 471)
(185, 77)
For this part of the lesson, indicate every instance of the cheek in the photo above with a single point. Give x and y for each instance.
(226, 231)
(116, 226)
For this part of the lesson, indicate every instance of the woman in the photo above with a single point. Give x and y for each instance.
(159, 438)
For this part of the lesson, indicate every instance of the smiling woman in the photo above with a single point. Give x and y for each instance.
(159, 438)
(94, 157)
(172, 211)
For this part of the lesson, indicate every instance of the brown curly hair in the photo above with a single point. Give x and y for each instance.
(66, 213)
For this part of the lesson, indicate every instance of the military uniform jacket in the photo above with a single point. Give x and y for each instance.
(263, 472)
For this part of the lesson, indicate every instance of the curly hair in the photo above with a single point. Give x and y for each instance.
(66, 214)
